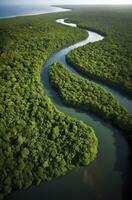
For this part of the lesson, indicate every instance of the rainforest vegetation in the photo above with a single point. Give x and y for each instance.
(37, 142)
(77, 91)
(109, 60)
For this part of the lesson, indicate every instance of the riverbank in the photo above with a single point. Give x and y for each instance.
(99, 126)
(110, 61)
(79, 92)
(109, 174)
(37, 141)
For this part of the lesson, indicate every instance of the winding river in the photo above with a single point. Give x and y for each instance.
(108, 176)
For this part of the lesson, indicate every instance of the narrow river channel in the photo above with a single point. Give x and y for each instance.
(108, 176)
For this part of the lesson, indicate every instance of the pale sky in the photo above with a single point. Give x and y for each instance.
(66, 1)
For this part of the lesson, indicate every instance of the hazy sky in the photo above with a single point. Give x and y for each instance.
(66, 1)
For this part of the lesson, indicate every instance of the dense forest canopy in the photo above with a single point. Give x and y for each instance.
(77, 91)
(37, 141)
(109, 60)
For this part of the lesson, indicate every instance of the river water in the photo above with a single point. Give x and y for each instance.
(108, 176)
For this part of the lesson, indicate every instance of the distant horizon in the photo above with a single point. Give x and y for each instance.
(69, 2)
(66, 4)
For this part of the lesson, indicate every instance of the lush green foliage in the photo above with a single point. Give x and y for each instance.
(37, 142)
(109, 60)
(83, 93)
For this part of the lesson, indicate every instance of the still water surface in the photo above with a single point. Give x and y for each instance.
(107, 177)
(12, 10)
